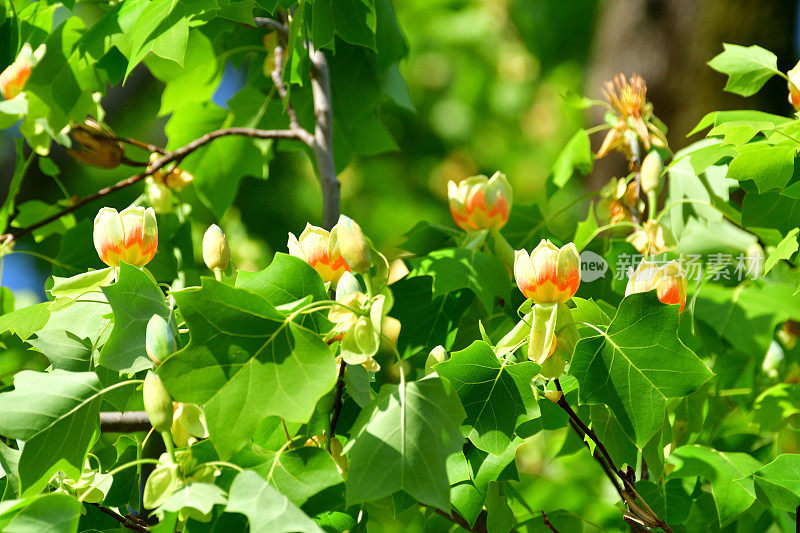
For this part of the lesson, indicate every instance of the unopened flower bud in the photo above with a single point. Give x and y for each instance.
(157, 403)
(348, 284)
(651, 170)
(479, 202)
(348, 239)
(549, 274)
(159, 341)
(216, 253)
(159, 196)
(437, 355)
(130, 236)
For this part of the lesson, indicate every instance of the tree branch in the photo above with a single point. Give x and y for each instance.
(629, 494)
(264, 22)
(161, 162)
(128, 422)
(121, 519)
(323, 136)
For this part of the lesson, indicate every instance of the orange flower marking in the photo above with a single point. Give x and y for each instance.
(312, 247)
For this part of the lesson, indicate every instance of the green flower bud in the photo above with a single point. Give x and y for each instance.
(348, 239)
(651, 170)
(159, 341)
(216, 252)
(437, 355)
(157, 403)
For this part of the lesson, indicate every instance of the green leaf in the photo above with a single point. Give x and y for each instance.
(784, 250)
(715, 118)
(637, 365)
(307, 475)
(746, 315)
(287, 279)
(65, 350)
(777, 405)
(26, 321)
(585, 231)
(197, 500)
(56, 414)
(770, 167)
(33, 211)
(456, 268)
(608, 430)
(267, 510)
(576, 156)
(82, 283)
(134, 298)
(748, 68)
(402, 441)
(777, 484)
(354, 21)
(496, 394)
(728, 472)
(244, 362)
(500, 517)
(50, 513)
(413, 298)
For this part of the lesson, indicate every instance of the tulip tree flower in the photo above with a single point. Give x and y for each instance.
(312, 247)
(479, 202)
(549, 274)
(348, 240)
(130, 236)
(15, 76)
(669, 282)
(549, 277)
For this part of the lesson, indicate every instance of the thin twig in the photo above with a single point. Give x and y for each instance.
(131, 163)
(480, 523)
(547, 523)
(152, 148)
(121, 519)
